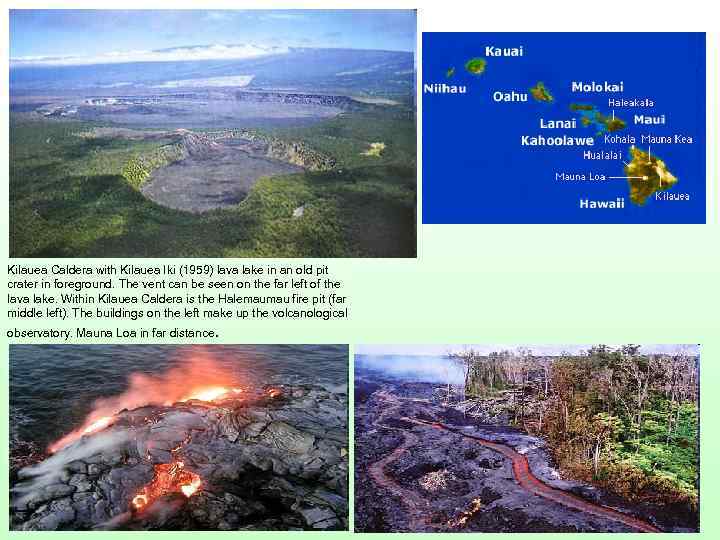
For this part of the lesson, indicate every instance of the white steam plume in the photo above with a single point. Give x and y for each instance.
(50, 470)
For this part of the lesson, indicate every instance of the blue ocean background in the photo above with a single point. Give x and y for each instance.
(474, 169)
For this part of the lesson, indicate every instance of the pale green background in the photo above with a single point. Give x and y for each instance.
(528, 285)
(513, 284)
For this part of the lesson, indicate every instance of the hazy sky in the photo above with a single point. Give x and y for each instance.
(89, 33)
(434, 350)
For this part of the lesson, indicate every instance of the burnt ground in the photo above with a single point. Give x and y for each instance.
(454, 483)
(266, 461)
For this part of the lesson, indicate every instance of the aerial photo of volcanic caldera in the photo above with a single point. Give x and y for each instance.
(567, 438)
(249, 133)
(177, 438)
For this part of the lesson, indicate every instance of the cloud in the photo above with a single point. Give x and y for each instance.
(177, 54)
(231, 80)
(282, 16)
(218, 16)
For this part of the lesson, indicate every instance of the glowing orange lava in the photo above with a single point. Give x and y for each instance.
(189, 489)
(90, 426)
(197, 377)
(99, 424)
(169, 478)
(211, 393)
(140, 500)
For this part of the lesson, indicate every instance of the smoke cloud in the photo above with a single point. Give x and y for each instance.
(439, 369)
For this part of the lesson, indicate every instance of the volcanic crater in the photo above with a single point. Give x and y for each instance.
(198, 171)
(212, 174)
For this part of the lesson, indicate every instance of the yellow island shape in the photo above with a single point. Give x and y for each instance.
(646, 175)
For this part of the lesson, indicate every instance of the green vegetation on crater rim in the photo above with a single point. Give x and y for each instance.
(139, 168)
(540, 93)
(476, 66)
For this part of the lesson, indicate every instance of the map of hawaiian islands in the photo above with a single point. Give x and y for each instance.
(646, 174)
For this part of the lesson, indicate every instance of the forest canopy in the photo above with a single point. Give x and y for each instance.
(613, 416)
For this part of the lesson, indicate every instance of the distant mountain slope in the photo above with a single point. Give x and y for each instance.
(331, 70)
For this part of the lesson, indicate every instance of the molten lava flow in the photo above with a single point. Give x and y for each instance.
(189, 489)
(169, 478)
(210, 394)
(199, 378)
(475, 507)
(140, 500)
(90, 426)
(100, 423)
